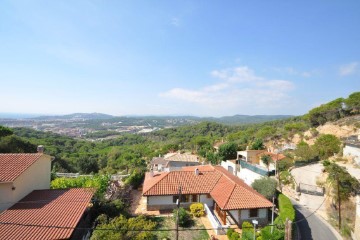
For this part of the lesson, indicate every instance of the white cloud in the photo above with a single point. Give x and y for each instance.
(238, 90)
(348, 69)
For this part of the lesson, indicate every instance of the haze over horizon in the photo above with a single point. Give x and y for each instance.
(195, 58)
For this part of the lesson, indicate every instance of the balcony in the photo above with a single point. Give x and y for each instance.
(255, 168)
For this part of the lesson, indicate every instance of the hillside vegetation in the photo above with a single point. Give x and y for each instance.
(130, 152)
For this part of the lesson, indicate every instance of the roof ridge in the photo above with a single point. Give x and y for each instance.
(244, 185)
(228, 199)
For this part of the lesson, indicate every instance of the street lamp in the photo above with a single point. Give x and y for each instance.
(255, 222)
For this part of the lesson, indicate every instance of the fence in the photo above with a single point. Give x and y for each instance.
(311, 189)
(114, 177)
(254, 168)
(219, 230)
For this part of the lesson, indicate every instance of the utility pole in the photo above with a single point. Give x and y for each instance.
(177, 214)
(339, 200)
(272, 215)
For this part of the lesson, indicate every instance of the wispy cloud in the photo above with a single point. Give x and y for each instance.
(348, 69)
(237, 88)
(175, 21)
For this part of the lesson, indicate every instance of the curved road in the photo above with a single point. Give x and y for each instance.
(312, 227)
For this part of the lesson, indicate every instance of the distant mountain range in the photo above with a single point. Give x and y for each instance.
(230, 120)
(85, 116)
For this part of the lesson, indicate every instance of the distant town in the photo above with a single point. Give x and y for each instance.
(97, 126)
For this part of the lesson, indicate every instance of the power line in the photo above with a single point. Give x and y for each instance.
(313, 211)
(118, 229)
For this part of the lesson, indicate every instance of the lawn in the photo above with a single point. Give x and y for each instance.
(165, 223)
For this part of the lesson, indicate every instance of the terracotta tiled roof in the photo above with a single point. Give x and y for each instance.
(60, 208)
(13, 165)
(168, 183)
(227, 190)
(242, 195)
(275, 157)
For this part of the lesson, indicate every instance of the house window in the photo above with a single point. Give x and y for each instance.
(194, 198)
(253, 213)
(185, 198)
(175, 198)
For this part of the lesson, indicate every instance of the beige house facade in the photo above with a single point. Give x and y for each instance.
(20, 174)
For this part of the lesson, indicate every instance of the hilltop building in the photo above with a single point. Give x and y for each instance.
(174, 161)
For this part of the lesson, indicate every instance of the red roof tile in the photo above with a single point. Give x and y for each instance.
(59, 207)
(227, 190)
(275, 157)
(13, 165)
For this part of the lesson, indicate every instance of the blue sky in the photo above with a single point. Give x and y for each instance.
(203, 58)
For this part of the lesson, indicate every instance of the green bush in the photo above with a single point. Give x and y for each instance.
(184, 217)
(286, 209)
(229, 232)
(232, 235)
(136, 178)
(197, 209)
(247, 231)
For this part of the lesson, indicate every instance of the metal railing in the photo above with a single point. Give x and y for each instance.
(254, 168)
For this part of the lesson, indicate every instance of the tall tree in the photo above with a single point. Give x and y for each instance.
(343, 184)
(266, 159)
(228, 151)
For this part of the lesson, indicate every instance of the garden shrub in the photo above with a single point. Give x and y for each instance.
(286, 209)
(197, 209)
(184, 217)
(247, 231)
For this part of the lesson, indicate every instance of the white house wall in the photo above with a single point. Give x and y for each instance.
(229, 166)
(207, 201)
(36, 177)
(262, 216)
(160, 200)
(248, 176)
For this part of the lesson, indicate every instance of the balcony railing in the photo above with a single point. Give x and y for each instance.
(254, 168)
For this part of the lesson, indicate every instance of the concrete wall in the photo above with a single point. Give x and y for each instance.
(36, 177)
(352, 151)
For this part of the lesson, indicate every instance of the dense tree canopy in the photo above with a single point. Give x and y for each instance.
(326, 145)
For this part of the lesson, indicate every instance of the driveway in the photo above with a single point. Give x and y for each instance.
(311, 227)
(308, 175)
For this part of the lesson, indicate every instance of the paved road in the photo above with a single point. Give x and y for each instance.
(312, 227)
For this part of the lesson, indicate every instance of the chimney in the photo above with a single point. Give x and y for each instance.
(40, 149)
(196, 171)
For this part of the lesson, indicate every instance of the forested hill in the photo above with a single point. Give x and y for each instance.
(129, 151)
